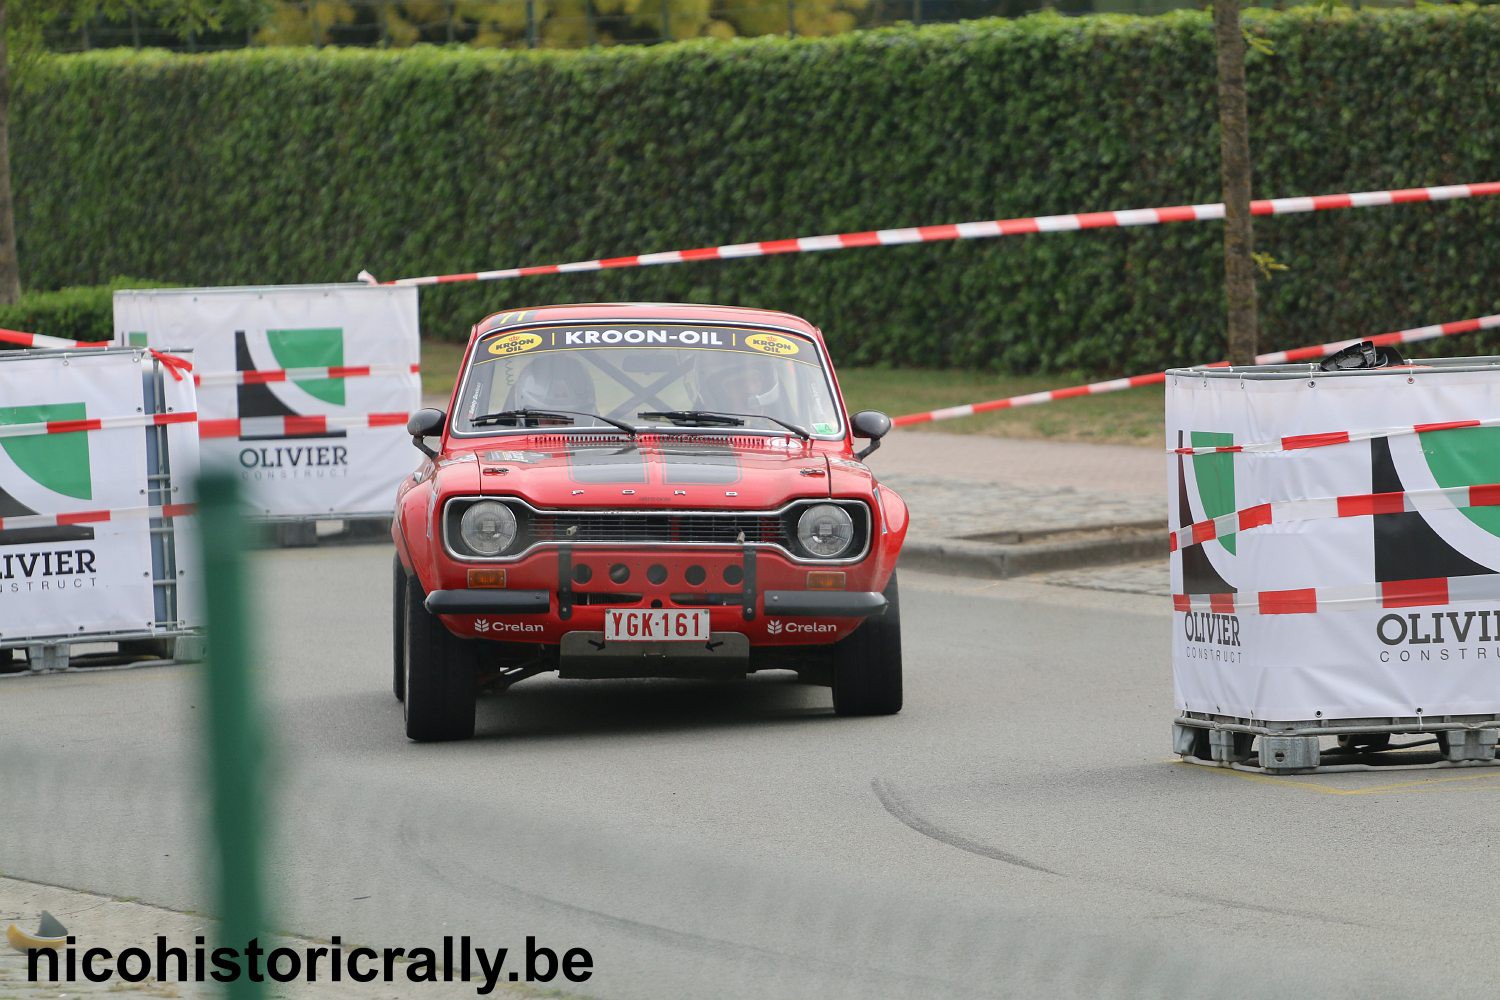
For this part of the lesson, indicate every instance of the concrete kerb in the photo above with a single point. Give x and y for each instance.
(985, 557)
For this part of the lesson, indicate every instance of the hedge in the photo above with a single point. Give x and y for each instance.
(288, 165)
(83, 313)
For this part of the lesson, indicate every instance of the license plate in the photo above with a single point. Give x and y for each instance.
(656, 626)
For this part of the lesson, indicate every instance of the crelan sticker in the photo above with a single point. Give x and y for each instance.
(770, 343)
(514, 343)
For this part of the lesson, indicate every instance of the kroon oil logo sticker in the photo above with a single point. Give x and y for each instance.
(770, 343)
(514, 343)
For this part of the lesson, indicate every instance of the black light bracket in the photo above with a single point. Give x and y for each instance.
(1364, 355)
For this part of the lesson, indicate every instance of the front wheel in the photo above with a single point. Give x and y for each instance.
(442, 675)
(398, 632)
(867, 664)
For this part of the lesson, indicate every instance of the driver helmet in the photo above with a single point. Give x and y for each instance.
(553, 382)
(734, 383)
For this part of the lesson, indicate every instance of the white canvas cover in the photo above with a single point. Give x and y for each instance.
(342, 470)
(1361, 654)
(84, 578)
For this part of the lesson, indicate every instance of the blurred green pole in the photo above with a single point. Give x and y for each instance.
(236, 765)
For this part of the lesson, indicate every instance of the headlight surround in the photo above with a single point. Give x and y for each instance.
(487, 527)
(825, 531)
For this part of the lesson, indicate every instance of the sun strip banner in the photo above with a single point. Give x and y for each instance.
(1418, 631)
(68, 566)
(987, 229)
(300, 389)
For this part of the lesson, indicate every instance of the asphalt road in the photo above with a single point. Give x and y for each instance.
(1020, 829)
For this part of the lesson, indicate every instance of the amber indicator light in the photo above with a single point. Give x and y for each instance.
(824, 579)
(486, 579)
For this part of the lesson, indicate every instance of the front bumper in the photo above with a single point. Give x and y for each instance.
(753, 592)
(825, 603)
(489, 602)
(790, 603)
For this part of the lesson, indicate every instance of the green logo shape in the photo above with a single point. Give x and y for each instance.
(1465, 457)
(137, 338)
(311, 348)
(59, 462)
(1214, 474)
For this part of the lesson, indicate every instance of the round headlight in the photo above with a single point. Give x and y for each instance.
(825, 531)
(487, 527)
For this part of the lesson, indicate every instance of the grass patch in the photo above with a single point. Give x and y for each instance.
(440, 361)
(1131, 417)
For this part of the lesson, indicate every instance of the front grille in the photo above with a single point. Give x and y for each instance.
(641, 529)
(653, 527)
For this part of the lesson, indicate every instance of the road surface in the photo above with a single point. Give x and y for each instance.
(1021, 829)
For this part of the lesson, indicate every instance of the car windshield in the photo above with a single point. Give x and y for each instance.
(658, 377)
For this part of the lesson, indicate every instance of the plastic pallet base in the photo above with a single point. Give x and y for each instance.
(1276, 753)
(1392, 762)
(314, 532)
(71, 656)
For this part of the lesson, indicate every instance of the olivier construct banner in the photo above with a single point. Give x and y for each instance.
(60, 579)
(1351, 578)
(337, 467)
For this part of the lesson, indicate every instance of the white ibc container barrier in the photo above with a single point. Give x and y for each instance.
(305, 389)
(1336, 559)
(98, 457)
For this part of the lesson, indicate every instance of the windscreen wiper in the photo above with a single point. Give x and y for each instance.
(718, 418)
(522, 415)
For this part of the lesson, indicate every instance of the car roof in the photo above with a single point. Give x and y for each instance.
(634, 312)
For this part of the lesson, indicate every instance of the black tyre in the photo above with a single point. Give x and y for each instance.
(398, 632)
(441, 674)
(867, 665)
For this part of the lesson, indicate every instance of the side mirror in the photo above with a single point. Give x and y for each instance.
(870, 424)
(425, 423)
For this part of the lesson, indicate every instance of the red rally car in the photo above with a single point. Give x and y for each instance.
(640, 490)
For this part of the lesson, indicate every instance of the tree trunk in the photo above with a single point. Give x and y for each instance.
(1234, 153)
(10, 272)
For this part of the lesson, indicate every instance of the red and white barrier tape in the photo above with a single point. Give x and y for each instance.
(1318, 508)
(292, 426)
(971, 231)
(174, 365)
(256, 377)
(97, 424)
(234, 427)
(1382, 340)
(21, 339)
(1134, 381)
(165, 511)
(1428, 593)
(1300, 442)
(265, 375)
(1030, 399)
